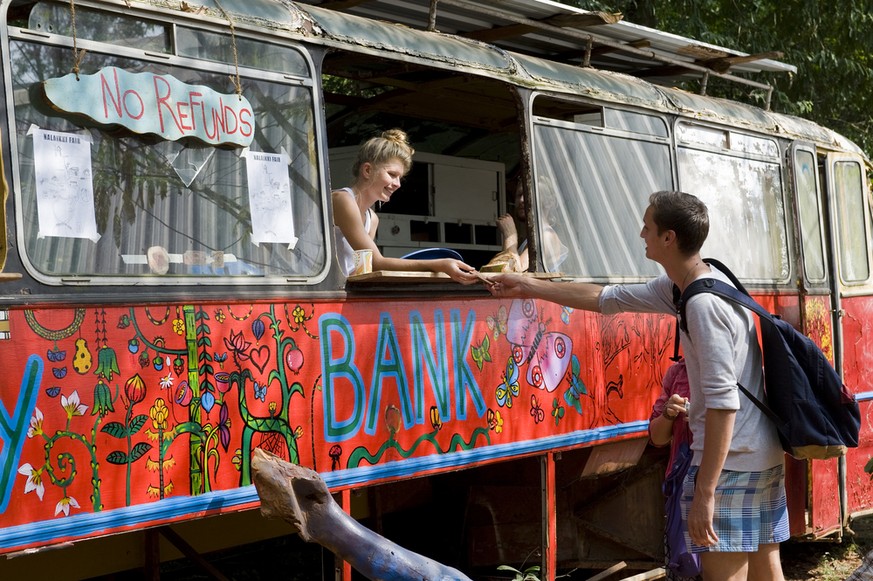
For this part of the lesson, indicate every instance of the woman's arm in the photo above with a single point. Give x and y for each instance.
(347, 216)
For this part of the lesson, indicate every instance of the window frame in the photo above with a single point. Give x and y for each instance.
(310, 84)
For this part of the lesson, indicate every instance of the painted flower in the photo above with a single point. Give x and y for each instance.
(179, 326)
(207, 400)
(64, 505)
(167, 381)
(73, 406)
(294, 360)
(392, 419)
(258, 329)
(224, 426)
(135, 389)
(178, 365)
(298, 432)
(107, 363)
(159, 412)
(144, 359)
(184, 393)
(35, 428)
(237, 343)
(34, 480)
(222, 381)
(335, 453)
(435, 419)
(102, 399)
(219, 315)
(299, 314)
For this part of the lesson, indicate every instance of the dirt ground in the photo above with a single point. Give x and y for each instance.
(826, 560)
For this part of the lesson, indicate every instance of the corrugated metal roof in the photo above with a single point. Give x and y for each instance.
(554, 31)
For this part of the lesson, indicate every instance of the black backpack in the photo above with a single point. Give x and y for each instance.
(815, 415)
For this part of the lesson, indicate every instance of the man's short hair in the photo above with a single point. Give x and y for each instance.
(685, 215)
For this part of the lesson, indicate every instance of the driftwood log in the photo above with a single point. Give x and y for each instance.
(299, 496)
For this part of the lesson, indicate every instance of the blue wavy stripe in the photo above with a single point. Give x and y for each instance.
(80, 526)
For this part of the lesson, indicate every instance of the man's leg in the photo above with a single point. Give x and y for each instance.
(725, 566)
(765, 565)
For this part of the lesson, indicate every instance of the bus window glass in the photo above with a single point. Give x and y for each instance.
(810, 215)
(100, 26)
(746, 212)
(705, 136)
(848, 185)
(753, 145)
(635, 122)
(187, 202)
(258, 55)
(599, 197)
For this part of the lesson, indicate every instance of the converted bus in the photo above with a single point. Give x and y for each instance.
(172, 299)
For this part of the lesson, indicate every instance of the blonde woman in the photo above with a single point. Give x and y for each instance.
(381, 163)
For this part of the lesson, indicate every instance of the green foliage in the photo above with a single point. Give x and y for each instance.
(828, 43)
(529, 574)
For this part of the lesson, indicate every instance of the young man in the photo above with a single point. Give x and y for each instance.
(734, 494)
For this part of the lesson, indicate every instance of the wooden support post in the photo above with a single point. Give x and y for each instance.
(152, 549)
(192, 554)
(550, 520)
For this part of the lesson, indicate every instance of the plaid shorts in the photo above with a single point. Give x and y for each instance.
(750, 509)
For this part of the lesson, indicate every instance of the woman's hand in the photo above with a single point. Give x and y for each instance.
(458, 271)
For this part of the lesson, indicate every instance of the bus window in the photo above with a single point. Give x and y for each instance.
(601, 180)
(635, 122)
(809, 209)
(744, 194)
(848, 188)
(180, 208)
(101, 26)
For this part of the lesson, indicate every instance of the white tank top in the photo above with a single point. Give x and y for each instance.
(344, 251)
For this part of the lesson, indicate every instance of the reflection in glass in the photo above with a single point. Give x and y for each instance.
(602, 185)
(746, 213)
(810, 215)
(848, 184)
(185, 199)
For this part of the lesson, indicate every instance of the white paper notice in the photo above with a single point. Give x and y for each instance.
(64, 190)
(270, 198)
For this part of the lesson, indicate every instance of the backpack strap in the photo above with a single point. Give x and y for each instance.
(738, 295)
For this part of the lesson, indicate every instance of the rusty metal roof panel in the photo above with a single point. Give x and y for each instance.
(592, 82)
(554, 31)
(401, 39)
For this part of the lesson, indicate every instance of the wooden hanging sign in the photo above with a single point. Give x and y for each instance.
(149, 103)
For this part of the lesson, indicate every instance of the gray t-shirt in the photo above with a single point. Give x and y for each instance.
(720, 349)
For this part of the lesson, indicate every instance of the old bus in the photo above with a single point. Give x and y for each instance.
(171, 299)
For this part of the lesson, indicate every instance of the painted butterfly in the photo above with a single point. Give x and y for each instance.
(557, 411)
(574, 393)
(261, 391)
(497, 322)
(547, 353)
(509, 388)
(481, 352)
(536, 411)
